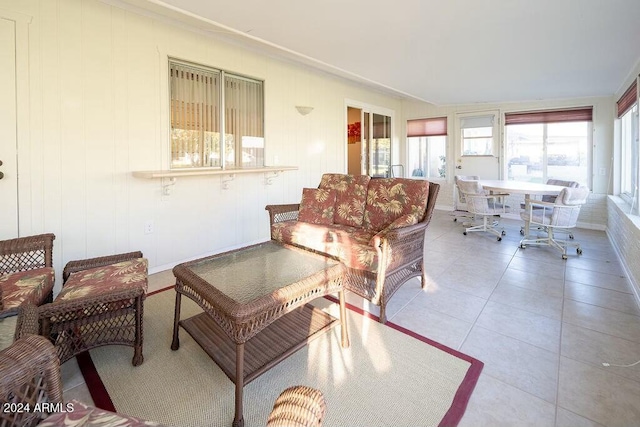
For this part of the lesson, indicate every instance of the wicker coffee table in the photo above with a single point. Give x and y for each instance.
(259, 291)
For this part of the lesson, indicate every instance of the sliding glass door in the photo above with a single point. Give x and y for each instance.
(369, 143)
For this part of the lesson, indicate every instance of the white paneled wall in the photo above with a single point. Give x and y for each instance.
(624, 232)
(98, 110)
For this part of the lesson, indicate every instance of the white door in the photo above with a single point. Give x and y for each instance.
(478, 144)
(8, 135)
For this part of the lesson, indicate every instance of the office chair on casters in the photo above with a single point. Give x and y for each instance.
(551, 198)
(459, 202)
(551, 217)
(481, 203)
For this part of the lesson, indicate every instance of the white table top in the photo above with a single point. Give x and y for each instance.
(520, 187)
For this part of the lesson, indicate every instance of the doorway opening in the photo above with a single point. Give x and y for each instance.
(368, 143)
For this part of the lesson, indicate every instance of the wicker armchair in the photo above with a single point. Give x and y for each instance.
(400, 254)
(30, 375)
(26, 263)
(101, 303)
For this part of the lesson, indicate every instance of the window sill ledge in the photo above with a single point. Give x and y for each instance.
(624, 208)
(177, 173)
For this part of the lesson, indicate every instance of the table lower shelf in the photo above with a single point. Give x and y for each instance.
(273, 344)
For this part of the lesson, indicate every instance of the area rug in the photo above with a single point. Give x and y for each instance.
(388, 377)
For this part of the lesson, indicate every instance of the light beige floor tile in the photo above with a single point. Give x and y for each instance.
(566, 418)
(603, 320)
(529, 300)
(437, 326)
(522, 365)
(79, 392)
(71, 375)
(614, 282)
(534, 281)
(540, 267)
(597, 395)
(607, 266)
(449, 301)
(594, 348)
(606, 298)
(535, 329)
(467, 282)
(497, 404)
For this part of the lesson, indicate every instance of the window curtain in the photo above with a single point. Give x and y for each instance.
(194, 115)
(427, 127)
(244, 120)
(582, 114)
(628, 99)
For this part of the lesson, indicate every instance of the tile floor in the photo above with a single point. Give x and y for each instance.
(541, 325)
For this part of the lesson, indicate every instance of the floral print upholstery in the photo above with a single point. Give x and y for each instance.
(81, 415)
(32, 286)
(131, 274)
(317, 205)
(351, 197)
(391, 198)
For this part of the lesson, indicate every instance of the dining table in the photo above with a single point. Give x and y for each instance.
(521, 187)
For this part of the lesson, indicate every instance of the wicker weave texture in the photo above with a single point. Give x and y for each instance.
(401, 258)
(83, 323)
(29, 374)
(298, 406)
(26, 253)
(243, 320)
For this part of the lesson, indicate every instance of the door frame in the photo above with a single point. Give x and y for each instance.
(22, 108)
(373, 109)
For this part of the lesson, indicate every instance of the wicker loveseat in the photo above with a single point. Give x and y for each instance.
(376, 227)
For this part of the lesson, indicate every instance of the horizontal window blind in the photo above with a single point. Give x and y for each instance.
(582, 114)
(628, 99)
(427, 127)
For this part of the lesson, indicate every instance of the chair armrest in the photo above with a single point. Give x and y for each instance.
(26, 253)
(29, 374)
(28, 321)
(280, 213)
(85, 264)
(298, 406)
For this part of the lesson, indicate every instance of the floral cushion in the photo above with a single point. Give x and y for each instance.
(349, 244)
(32, 286)
(121, 276)
(317, 205)
(80, 415)
(351, 196)
(391, 198)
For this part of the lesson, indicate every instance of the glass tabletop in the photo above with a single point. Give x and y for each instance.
(259, 270)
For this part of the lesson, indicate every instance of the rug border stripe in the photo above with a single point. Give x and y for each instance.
(452, 417)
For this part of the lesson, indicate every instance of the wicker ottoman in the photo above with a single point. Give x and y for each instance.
(101, 303)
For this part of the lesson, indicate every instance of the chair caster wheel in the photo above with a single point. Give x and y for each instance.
(499, 239)
(522, 232)
(579, 251)
(522, 246)
(564, 256)
(504, 233)
(464, 232)
(455, 219)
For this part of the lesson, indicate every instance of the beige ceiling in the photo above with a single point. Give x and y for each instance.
(445, 51)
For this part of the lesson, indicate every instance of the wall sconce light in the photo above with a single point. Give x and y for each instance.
(303, 110)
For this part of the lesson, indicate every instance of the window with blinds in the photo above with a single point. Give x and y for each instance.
(427, 147)
(549, 144)
(627, 107)
(207, 103)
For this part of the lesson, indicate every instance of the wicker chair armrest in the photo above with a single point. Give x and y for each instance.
(401, 234)
(18, 254)
(27, 323)
(29, 374)
(85, 264)
(300, 406)
(279, 213)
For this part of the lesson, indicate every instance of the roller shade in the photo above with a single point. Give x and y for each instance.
(427, 127)
(582, 114)
(628, 99)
